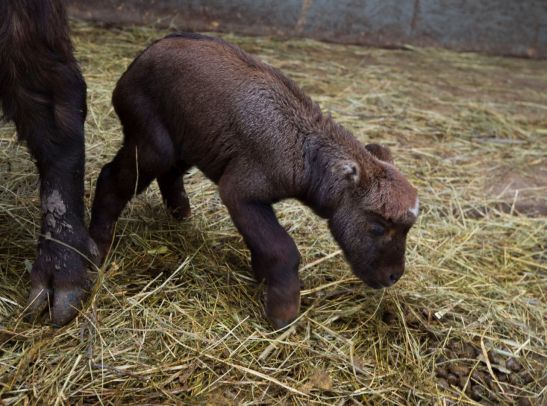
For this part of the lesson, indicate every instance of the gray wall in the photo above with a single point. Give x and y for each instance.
(510, 27)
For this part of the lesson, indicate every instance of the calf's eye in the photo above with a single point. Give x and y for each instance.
(377, 230)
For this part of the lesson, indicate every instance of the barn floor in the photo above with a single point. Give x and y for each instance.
(177, 317)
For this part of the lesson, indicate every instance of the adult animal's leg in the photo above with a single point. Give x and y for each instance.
(43, 92)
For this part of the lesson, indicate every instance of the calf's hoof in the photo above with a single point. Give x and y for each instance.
(103, 247)
(102, 240)
(180, 212)
(179, 207)
(282, 305)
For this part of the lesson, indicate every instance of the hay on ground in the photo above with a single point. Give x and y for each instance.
(177, 316)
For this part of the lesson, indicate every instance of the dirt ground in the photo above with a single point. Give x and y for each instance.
(177, 318)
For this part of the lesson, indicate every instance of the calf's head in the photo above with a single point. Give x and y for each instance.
(375, 208)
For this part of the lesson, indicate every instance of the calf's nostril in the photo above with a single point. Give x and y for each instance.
(393, 278)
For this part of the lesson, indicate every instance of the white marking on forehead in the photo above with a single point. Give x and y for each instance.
(415, 209)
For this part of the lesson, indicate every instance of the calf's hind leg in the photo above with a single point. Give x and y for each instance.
(172, 190)
(133, 168)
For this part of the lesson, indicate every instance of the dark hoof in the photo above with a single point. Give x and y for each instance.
(58, 306)
(180, 213)
(37, 303)
(60, 282)
(282, 304)
(66, 305)
(94, 253)
(180, 209)
(177, 204)
(101, 242)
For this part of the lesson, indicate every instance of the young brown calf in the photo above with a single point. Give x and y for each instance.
(191, 100)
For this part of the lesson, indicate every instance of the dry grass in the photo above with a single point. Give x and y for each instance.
(177, 317)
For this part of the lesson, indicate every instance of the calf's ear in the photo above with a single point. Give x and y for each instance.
(380, 152)
(347, 170)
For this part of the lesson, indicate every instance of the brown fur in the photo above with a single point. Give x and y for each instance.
(190, 100)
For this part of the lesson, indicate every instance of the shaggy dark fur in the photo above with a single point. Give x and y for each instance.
(191, 100)
(43, 92)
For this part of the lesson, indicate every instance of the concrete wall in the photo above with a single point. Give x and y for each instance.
(509, 27)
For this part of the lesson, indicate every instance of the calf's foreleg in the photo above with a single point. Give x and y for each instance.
(274, 255)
